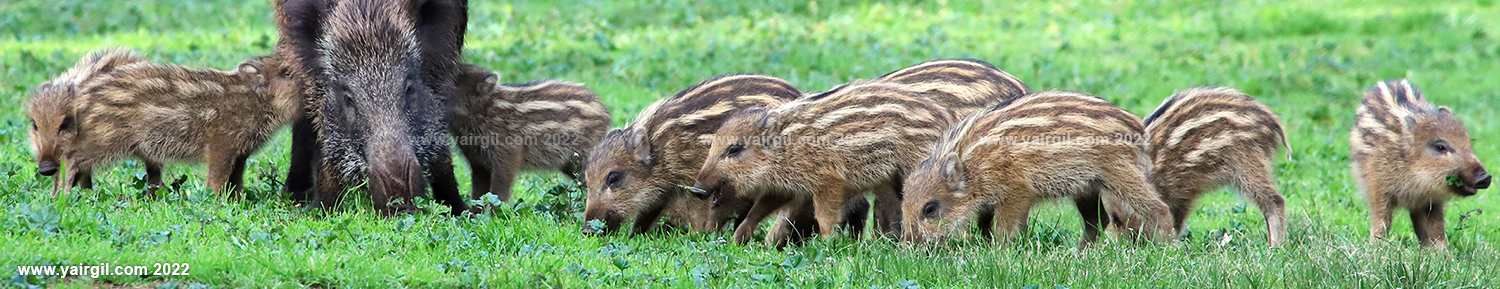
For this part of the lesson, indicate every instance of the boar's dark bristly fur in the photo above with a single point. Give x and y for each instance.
(383, 71)
(300, 23)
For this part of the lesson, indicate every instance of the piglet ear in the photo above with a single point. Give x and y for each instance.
(636, 141)
(766, 120)
(952, 170)
(252, 66)
(491, 81)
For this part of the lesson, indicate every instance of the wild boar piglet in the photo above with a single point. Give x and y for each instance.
(1205, 138)
(639, 172)
(993, 166)
(167, 113)
(1411, 154)
(505, 128)
(825, 149)
(51, 110)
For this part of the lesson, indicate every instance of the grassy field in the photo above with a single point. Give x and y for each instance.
(1308, 60)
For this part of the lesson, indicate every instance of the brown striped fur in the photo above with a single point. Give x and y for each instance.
(965, 86)
(505, 128)
(1404, 150)
(167, 113)
(1205, 138)
(277, 71)
(51, 110)
(989, 170)
(825, 149)
(639, 172)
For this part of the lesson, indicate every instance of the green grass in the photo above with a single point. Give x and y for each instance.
(1308, 60)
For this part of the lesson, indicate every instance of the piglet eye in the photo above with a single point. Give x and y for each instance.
(734, 150)
(930, 210)
(614, 179)
(1441, 147)
(66, 123)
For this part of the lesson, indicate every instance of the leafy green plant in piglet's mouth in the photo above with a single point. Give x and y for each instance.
(1454, 181)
